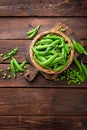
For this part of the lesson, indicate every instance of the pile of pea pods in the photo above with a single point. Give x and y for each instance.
(52, 52)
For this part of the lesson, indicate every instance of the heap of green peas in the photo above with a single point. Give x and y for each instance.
(52, 52)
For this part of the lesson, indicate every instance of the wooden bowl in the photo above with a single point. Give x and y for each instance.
(39, 37)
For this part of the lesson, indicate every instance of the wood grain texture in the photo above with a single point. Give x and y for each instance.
(53, 102)
(15, 28)
(43, 122)
(43, 8)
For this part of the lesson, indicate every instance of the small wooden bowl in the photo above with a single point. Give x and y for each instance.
(39, 37)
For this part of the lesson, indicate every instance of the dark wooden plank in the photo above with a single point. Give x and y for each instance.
(43, 122)
(43, 8)
(15, 28)
(31, 101)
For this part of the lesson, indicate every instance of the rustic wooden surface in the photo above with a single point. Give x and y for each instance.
(40, 104)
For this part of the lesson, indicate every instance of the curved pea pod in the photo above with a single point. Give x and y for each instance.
(12, 68)
(44, 42)
(64, 55)
(40, 58)
(67, 48)
(59, 68)
(22, 65)
(78, 65)
(41, 47)
(17, 65)
(49, 61)
(33, 30)
(52, 45)
(79, 48)
(10, 54)
(32, 35)
(53, 37)
(42, 53)
(84, 69)
(56, 60)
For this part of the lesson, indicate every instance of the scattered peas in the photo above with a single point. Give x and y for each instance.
(1, 54)
(8, 68)
(62, 29)
(65, 19)
(4, 77)
(1, 70)
(9, 76)
(5, 74)
(25, 67)
(21, 73)
(28, 71)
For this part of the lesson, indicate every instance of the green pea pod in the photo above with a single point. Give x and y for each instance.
(22, 65)
(51, 37)
(48, 56)
(63, 53)
(40, 58)
(12, 68)
(41, 47)
(49, 61)
(44, 42)
(78, 65)
(84, 69)
(52, 45)
(59, 68)
(10, 54)
(33, 30)
(17, 65)
(67, 48)
(32, 35)
(57, 60)
(39, 52)
(79, 48)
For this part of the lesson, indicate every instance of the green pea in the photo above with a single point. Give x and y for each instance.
(4, 77)
(9, 76)
(1, 54)
(1, 70)
(8, 68)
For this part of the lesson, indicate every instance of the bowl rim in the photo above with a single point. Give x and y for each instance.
(38, 37)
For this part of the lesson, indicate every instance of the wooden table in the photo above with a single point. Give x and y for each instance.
(41, 104)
